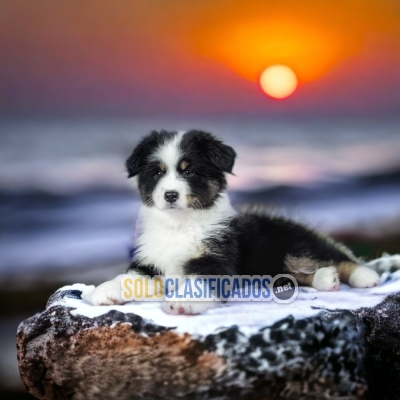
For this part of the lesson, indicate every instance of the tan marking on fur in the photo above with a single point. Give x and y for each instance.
(304, 279)
(183, 165)
(304, 265)
(161, 166)
(346, 269)
(191, 199)
(214, 188)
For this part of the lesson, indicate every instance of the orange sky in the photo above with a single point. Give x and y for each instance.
(309, 36)
(156, 56)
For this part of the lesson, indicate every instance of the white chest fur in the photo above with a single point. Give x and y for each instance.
(168, 239)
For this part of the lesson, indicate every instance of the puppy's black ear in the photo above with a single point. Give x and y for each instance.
(221, 155)
(140, 153)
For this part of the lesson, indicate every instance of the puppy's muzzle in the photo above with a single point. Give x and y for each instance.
(171, 196)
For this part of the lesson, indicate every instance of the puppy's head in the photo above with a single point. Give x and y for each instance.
(179, 171)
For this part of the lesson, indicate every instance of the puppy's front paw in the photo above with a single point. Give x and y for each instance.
(108, 293)
(326, 279)
(364, 277)
(188, 307)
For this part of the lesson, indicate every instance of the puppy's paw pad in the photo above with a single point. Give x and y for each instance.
(364, 277)
(106, 294)
(326, 279)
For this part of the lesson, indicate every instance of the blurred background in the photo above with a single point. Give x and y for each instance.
(307, 92)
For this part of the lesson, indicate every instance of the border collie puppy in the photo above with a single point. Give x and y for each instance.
(187, 226)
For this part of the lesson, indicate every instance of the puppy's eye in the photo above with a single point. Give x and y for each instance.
(188, 173)
(158, 175)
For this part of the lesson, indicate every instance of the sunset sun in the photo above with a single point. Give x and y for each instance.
(278, 81)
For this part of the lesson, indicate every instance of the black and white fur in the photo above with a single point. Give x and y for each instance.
(187, 226)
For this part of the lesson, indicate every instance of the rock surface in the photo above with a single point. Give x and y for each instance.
(332, 354)
(342, 344)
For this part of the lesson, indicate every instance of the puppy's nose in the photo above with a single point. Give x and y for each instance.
(171, 197)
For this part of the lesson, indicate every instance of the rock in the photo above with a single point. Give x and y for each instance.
(116, 353)
(112, 355)
(382, 348)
